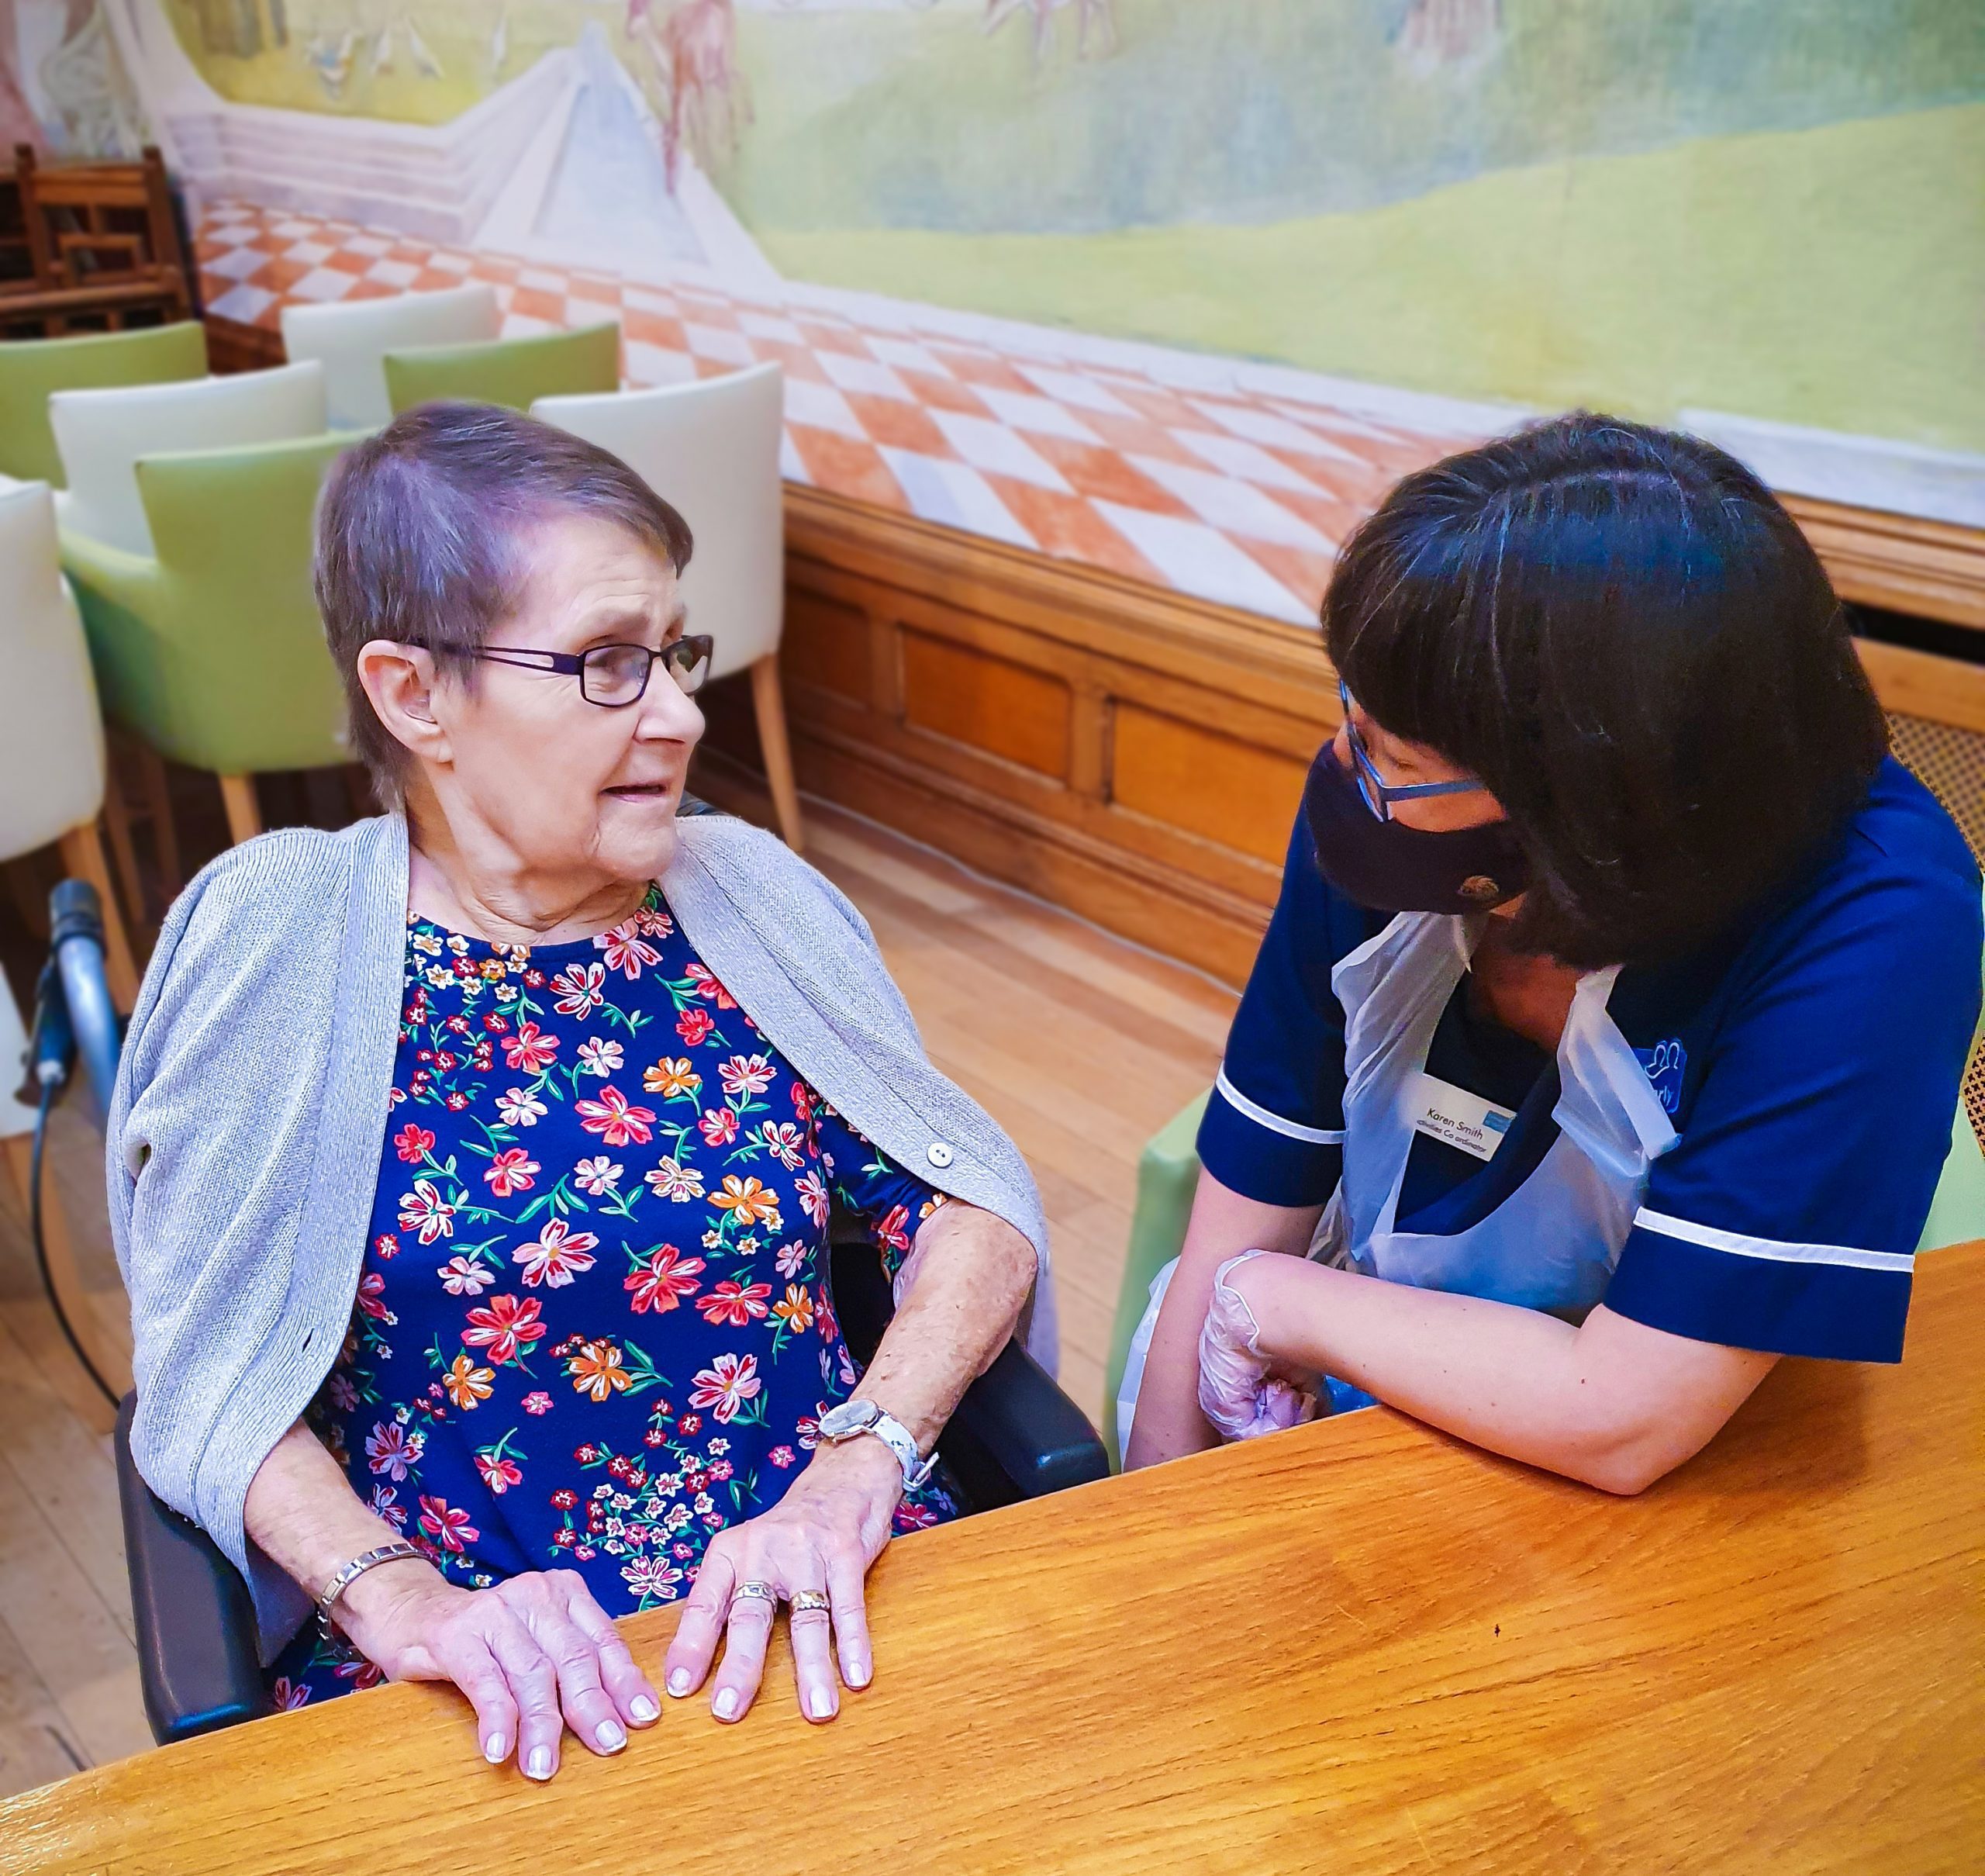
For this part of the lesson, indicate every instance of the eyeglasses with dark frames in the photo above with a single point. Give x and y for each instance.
(1378, 793)
(614, 676)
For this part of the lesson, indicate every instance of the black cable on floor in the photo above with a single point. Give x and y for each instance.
(36, 1172)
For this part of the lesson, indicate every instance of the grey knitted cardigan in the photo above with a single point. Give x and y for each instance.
(246, 1133)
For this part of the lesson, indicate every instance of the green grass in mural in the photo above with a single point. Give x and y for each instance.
(460, 36)
(1248, 111)
(1831, 277)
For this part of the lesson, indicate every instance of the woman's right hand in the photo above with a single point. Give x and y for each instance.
(1242, 1391)
(1170, 1420)
(533, 1655)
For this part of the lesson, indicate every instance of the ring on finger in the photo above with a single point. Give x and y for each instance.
(811, 1601)
(756, 1592)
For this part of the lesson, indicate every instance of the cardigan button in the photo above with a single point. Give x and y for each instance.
(938, 1154)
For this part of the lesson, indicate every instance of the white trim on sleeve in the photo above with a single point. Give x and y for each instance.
(1773, 1250)
(1255, 1112)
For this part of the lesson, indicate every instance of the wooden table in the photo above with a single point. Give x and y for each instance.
(1357, 1647)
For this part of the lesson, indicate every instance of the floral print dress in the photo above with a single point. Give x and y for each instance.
(595, 1325)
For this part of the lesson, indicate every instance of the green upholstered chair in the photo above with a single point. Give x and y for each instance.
(1957, 1212)
(213, 653)
(512, 371)
(31, 368)
(1169, 1173)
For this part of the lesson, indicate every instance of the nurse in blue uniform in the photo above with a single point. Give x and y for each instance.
(1603, 1045)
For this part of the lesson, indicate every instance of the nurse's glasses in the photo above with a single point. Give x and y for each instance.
(614, 676)
(1379, 794)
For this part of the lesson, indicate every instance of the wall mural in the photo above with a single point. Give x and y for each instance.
(1758, 217)
(63, 87)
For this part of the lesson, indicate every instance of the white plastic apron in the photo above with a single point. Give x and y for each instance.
(1553, 1243)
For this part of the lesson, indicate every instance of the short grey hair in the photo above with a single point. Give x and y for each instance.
(417, 531)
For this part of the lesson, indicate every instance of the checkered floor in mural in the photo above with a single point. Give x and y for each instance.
(1230, 483)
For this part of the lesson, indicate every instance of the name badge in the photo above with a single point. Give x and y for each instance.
(1457, 1118)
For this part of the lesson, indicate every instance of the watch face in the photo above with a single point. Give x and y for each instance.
(851, 1417)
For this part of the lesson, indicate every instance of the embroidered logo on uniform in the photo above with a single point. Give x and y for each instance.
(1666, 1063)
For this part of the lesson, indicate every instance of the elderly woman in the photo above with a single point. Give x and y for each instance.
(471, 1168)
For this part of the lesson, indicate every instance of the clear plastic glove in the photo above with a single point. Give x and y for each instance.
(1241, 1391)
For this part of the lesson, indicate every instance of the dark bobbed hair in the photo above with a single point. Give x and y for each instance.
(419, 533)
(1623, 633)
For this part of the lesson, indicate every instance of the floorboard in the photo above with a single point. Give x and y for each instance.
(37, 1744)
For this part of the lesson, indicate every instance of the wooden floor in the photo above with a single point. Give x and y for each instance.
(1079, 1044)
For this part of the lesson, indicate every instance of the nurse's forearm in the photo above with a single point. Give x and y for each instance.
(1612, 1403)
(1168, 1422)
(970, 1273)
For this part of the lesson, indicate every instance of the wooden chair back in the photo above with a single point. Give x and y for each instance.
(102, 244)
(16, 256)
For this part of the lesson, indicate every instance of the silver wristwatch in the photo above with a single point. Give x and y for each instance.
(852, 1418)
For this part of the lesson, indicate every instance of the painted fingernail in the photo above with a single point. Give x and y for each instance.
(820, 1704)
(678, 1682)
(609, 1736)
(644, 1710)
(496, 1749)
(726, 1704)
(858, 1673)
(540, 1763)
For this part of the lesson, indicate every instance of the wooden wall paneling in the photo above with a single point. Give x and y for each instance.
(826, 645)
(999, 705)
(947, 759)
(1935, 569)
(1129, 867)
(1181, 774)
(978, 699)
(1115, 618)
(1176, 778)
(233, 346)
(1093, 730)
(1920, 684)
(885, 667)
(1176, 914)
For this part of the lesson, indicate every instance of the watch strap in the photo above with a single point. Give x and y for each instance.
(916, 1470)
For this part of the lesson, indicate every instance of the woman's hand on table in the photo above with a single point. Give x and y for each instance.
(533, 1656)
(821, 1538)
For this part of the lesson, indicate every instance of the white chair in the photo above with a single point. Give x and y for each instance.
(710, 450)
(51, 789)
(51, 735)
(102, 434)
(351, 340)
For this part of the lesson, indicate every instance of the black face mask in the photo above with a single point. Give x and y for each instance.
(1393, 868)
